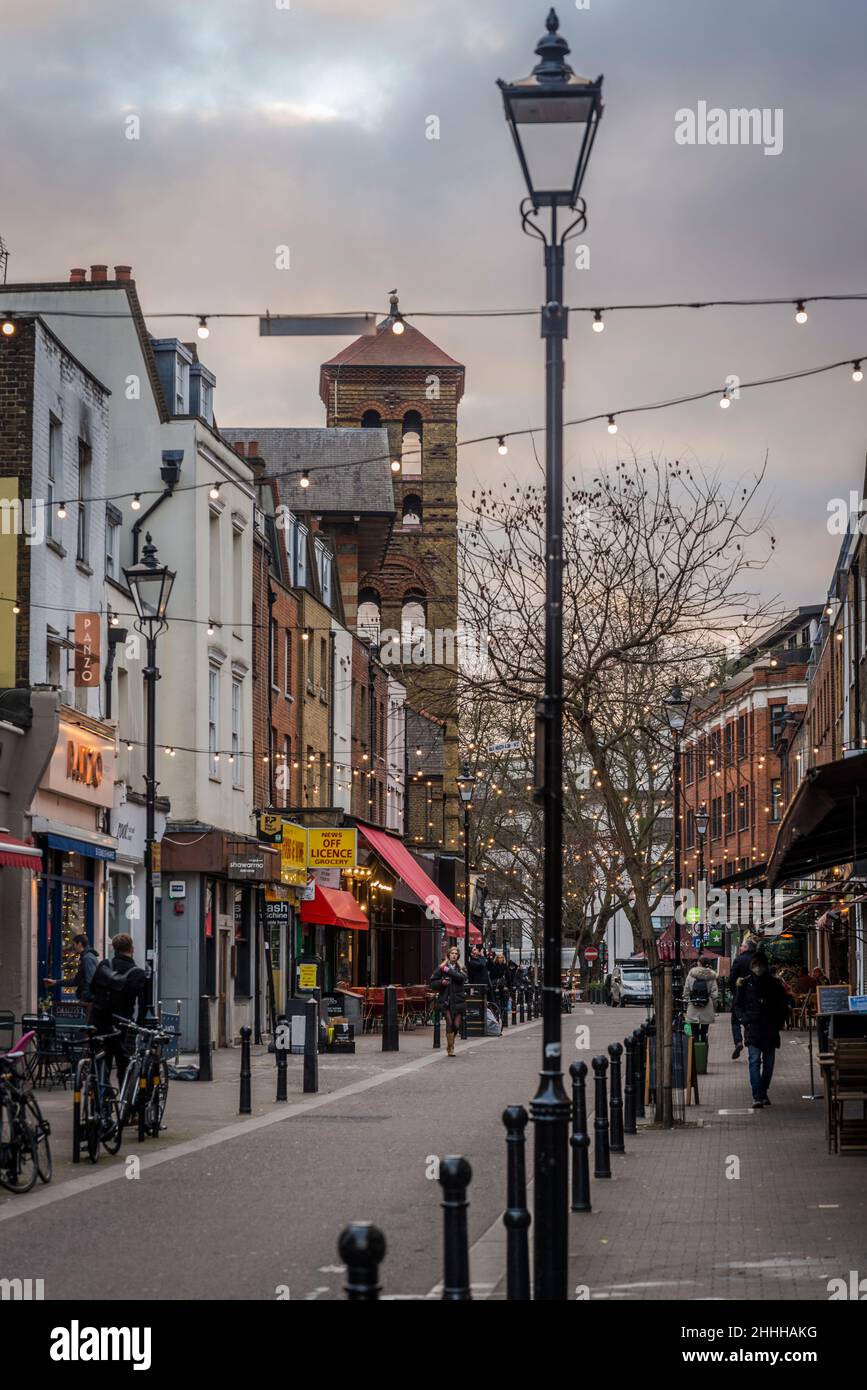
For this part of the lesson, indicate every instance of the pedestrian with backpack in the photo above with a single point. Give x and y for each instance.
(700, 992)
(119, 989)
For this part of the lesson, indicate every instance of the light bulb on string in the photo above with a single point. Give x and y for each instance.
(502, 446)
(598, 322)
(612, 425)
(305, 478)
(214, 492)
(724, 401)
(203, 331)
(857, 374)
(395, 465)
(135, 504)
(800, 312)
(61, 511)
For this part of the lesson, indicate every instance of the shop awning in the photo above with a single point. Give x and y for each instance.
(87, 848)
(16, 854)
(398, 858)
(826, 823)
(333, 907)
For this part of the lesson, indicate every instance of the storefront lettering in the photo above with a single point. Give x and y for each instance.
(83, 764)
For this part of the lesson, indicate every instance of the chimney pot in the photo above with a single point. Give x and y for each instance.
(98, 273)
(78, 275)
(253, 449)
(123, 272)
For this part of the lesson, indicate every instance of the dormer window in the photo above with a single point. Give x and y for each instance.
(182, 387)
(323, 567)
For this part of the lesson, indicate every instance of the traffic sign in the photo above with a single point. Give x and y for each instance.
(590, 953)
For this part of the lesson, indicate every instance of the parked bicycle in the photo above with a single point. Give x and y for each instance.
(145, 1084)
(99, 1114)
(25, 1150)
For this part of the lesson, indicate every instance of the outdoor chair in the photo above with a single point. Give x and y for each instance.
(847, 1078)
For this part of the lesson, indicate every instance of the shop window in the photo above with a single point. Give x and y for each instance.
(119, 889)
(209, 927)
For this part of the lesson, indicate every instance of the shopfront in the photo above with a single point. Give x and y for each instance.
(69, 814)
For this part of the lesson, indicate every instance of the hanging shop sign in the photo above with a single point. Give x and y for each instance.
(331, 849)
(293, 854)
(271, 828)
(246, 866)
(82, 765)
(87, 650)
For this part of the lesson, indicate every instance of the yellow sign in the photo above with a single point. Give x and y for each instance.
(331, 849)
(293, 854)
(270, 825)
(307, 977)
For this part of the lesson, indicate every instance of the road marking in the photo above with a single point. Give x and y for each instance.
(74, 1187)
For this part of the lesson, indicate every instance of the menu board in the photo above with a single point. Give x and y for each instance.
(833, 999)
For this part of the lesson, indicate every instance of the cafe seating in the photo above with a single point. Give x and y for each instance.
(845, 1074)
(57, 1047)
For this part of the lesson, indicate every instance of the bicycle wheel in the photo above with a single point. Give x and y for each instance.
(156, 1096)
(41, 1129)
(18, 1165)
(111, 1134)
(90, 1118)
(128, 1092)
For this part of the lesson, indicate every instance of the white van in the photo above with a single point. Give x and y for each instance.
(630, 984)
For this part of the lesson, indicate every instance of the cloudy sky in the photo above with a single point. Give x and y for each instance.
(305, 126)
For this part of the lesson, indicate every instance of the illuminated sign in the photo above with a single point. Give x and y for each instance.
(331, 849)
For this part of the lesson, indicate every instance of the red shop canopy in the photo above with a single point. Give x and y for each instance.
(333, 907)
(16, 854)
(399, 859)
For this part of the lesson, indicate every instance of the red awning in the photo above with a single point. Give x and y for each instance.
(333, 907)
(399, 859)
(16, 854)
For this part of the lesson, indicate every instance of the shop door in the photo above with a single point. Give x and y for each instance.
(65, 909)
(223, 989)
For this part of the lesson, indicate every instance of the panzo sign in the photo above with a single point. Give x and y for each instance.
(82, 765)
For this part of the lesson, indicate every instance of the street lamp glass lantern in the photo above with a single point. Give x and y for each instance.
(553, 115)
(676, 707)
(466, 783)
(701, 821)
(150, 584)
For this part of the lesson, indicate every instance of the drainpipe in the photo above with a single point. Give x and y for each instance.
(170, 473)
(331, 667)
(115, 635)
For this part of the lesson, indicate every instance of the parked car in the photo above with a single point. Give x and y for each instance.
(630, 984)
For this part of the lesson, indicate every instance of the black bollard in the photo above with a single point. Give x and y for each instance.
(76, 1114)
(580, 1141)
(437, 1040)
(639, 1072)
(455, 1176)
(601, 1155)
(206, 1071)
(361, 1247)
(521, 1010)
(504, 1008)
(516, 1217)
(629, 1125)
(616, 1144)
(311, 1046)
(244, 1104)
(281, 1039)
(390, 1033)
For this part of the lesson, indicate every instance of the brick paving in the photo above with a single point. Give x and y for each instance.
(671, 1225)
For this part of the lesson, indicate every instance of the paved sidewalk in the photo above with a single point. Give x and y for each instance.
(671, 1223)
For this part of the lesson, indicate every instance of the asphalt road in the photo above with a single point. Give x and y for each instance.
(242, 1217)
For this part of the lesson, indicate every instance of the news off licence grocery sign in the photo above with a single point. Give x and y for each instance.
(331, 849)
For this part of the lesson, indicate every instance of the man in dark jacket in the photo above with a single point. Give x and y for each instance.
(761, 1004)
(88, 959)
(477, 970)
(740, 968)
(128, 1002)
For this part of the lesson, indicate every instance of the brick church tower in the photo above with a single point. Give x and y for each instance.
(399, 380)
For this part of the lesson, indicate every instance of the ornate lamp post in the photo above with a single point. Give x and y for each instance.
(553, 116)
(676, 706)
(466, 784)
(701, 823)
(150, 585)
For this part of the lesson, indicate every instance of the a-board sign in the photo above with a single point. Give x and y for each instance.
(832, 999)
(858, 1003)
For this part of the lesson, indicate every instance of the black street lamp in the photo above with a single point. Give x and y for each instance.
(553, 115)
(702, 820)
(466, 784)
(150, 585)
(676, 706)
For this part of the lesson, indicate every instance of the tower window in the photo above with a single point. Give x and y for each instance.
(371, 420)
(413, 617)
(410, 455)
(412, 510)
(369, 618)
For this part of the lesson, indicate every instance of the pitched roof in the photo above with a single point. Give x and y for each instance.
(387, 349)
(350, 469)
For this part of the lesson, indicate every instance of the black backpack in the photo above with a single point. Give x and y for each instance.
(108, 986)
(699, 993)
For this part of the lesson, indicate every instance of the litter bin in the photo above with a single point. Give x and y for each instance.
(700, 1051)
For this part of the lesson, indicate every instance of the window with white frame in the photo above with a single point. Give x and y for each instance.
(237, 764)
(55, 470)
(82, 546)
(112, 546)
(182, 386)
(323, 568)
(213, 720)
(287, 664)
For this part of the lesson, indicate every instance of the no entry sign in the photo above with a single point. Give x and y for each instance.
(591, 953)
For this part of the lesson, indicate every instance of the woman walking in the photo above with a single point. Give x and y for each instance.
(451, 982)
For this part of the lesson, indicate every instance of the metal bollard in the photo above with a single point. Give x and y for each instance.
(615, 1105)
(437, 1038)
(516, 1217)
(521, 1006)
(601, 1155)
(390, 1033)
(281, 1039)
(455, 1177)
(206, 1069)
(311, 1046)
(504, 1009)
(361, 1247)
(76, 1115)
(629, 1125)
(142, 1107)
(580, 1141)
(639, 1072)
(244, 1101)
